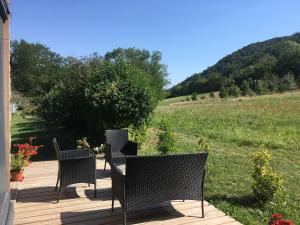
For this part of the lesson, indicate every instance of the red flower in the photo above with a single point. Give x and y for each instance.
(276, 216)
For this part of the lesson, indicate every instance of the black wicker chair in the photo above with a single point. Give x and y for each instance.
(74, 166)
(153, 179)
(117, 145)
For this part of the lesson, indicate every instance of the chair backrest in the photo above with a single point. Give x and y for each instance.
(56, 148)
(161, 178)
(117, 139)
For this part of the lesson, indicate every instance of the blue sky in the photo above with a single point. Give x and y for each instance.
(191, 34)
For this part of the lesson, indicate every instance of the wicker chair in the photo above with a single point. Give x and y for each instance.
(117, 145)
(153, 179)
(74, 166)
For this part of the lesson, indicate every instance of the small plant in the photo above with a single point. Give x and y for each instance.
(266, 181)
(194, 96)
(203, 145)
(187, 99)
(82, 143)
(166, 142)
(138, 134)
(203, 96)
(17, 162)
(211, 94)
(223, 92)
(277, 219)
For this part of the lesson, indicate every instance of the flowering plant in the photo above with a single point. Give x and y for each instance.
(27, 149)
(277, 219)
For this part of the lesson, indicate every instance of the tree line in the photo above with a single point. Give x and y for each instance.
(259, 68)
(92, 93)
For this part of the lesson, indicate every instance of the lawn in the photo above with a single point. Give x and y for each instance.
(235, 128)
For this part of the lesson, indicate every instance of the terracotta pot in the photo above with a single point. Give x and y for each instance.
(16, 175)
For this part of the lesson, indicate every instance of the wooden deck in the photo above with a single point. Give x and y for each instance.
(36, 203)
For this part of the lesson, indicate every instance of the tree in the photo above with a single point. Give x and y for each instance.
(194, 96)
(261, 87)
(149, 63)
(35, 69)
(103, 97)
(234, 91)
(245, 88)
(287, 82)
(223, 92)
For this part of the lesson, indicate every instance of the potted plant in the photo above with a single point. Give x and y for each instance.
(28, 150)
(16, 167)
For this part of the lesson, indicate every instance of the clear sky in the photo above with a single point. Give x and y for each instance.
(191, 34)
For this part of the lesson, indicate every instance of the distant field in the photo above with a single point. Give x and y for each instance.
(235, 128)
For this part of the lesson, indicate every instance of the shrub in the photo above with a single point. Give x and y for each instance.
(211, 94)
(287, 83)
(203, 97)
(261, 87)
(266, 181)
(203, 145)
(194, 96)
(223, 92)
(138, 134)
(105, 96)
(187, 99)
(245, 88)
(166, 138)
(234, 91)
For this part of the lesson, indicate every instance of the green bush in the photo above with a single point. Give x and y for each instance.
(187, 99)
(203, 97)
(223, 92)
(17, 162)
(234, 91)
(105, 96)
(138, 134)
(266, 181)
(194, 96)
(245, 88)
(211, 94)
(166, 138)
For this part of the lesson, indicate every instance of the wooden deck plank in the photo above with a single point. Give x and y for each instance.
(36, 204)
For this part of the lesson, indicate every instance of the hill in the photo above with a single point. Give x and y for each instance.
(269, 66)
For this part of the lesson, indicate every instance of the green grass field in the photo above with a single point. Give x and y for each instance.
(235, 128)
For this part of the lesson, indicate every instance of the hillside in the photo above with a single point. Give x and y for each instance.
(269, 66)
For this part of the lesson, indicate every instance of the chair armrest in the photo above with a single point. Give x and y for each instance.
(118, 183)
(69, 154)
(79, 158)
(130, 148)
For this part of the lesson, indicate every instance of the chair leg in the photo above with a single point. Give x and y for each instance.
(95, 191)
(89, 184)
(55, 189)
(124, 215)
(202, 207)
(112, 202)
(59, 192)
(105, 165)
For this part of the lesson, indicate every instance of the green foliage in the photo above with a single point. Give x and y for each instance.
(34, 68)
(166, 142)
(187, 99)
(266, 181)
(203, 145)
(264, 63)
(149, 63)
(203, 97)
(82, 143)
(17, 162)
(194, 96)
(138, 134)
(287, 82)
(245, 88)
(234, 91)
(223, 92)
(211, 94)
(103, 97)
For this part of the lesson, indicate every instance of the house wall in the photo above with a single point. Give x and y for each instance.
(5, 205)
